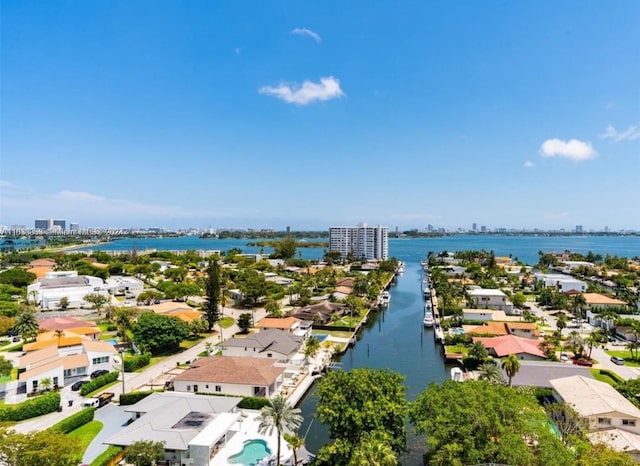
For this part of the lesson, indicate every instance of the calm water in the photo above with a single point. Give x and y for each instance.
(395, 338)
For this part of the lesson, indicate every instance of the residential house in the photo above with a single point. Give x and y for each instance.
(541, 373)
(270, 343)
(231, 375)
(490, 299)
(47, 292)
(524, 348)
(192, 427)
(596, 303)
(120, 285)
(562, 283)
(321, 313)
(286, 324)
(485, 315)
(611, 418)
(519, 329)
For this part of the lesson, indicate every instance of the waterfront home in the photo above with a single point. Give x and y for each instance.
(541, 373)
(485, 315)
(286, 324)
(562, 283)
(342, 292)
(484, 298)
(524, 348)
(321, 313)
(270, 343)
(231, 376)
(596, 302)
(192, 427)
(611, 418)
(519, 329)
(47, 292)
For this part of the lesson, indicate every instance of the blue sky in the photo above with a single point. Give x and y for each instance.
(310, 114)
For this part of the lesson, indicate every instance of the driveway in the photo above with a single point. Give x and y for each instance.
(114, 418)
(604, 362)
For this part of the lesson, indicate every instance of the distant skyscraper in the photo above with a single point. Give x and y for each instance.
(474, 227)
(578, 228)
(606, 229)
(74, 227)
(360, 241)
(50, 224)
(483, 229)
(41, 224)
(288, 229)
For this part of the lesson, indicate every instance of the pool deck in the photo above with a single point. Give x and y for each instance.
(248, 430)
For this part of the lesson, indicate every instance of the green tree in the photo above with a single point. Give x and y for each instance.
(97, 300)
(148, 297)
(363, 400)
(511, 366)
(6, 324)
(273, 308)
(571, 425)
(476, 422)
(278, 415)
(253, 286)
(576, 343)
(285, 249)
(478, 352)
(198, 326)
(144, 453)
(244, 322)
(374, 449)
(295, 442)
(577, 303)
(46, 447)
(17, 277)
(602, 455)
(5, 366)
(561, 321)
(490, 372)
(159, 333)
(212, 291)
(124, 318)
(311, 347)
(63, 304)
(176, 274)
(26, 324)
(519, 299)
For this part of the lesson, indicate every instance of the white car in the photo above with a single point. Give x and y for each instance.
(542, 333)
(564, 357)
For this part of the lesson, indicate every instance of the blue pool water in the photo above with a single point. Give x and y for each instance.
(112, 342)
(320, 338)
(252, 452)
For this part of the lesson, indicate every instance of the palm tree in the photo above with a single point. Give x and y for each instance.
(594, 338)
(273, 308)
(26, 324)
(577, 305)
(478, 352)
(311, 347)
(511, 366)
(295, 442)
(281, 416)
(490, 372)
(59, 334)
(576, 343)
(561, 321)
(374, 449)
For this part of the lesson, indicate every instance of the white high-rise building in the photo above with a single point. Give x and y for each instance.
(361, 241)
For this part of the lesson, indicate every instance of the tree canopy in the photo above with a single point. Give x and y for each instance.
(158, 333)
(17, 277)
(477, 422)
(212, 289)
(144, 453)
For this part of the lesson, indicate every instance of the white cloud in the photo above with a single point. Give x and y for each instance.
(529, 164)
(631, 133)
(574, 149)
(328, 88)
(308, 33)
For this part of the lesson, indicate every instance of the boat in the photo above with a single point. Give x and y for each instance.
(457, 375)
(386, 297)
(401, 268)
(427, 306)
(428, 320)
(439, 334)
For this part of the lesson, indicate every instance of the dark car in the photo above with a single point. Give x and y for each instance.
(582, 362)
(76, 386)
(98, 373)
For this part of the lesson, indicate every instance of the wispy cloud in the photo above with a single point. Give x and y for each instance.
(631, 133)
(574, 149)
(308, 33)
(529, 164)
(328, 88)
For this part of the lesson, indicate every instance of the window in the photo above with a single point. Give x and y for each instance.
(55, 382)
(629, 422)
(218, 388)
(35, 385)
(195, 388)
(188, 388)
(67, 372)
(100, 360)
(604, 420)
(269, 355)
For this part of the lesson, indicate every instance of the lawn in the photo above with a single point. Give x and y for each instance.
(226, 322)
(606, 376)
(456, 349)
(85, 434)
(109, 453)
(346, 321)
(626, 355)
(335, 333)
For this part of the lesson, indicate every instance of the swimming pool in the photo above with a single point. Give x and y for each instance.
(252, 452)
(113, 342)
(320, 337)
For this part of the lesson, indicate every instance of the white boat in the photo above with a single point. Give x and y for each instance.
(457, 375)
(428, 320)
(439, 334)
(427, 307)
(386, 297)
(401, 268)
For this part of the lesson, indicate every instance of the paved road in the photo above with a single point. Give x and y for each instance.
(113, 419)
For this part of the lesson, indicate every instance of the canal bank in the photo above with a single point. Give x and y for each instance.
(393, 338)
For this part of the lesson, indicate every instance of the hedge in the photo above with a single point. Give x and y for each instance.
(136, 362)
(253, 402)
(106, 456)
(43, 404)
(133, 397)
(98, 382)
(74, 421)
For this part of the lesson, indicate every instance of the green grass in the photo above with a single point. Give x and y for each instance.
(335, 333)
(226, 322)
(85, 434)
(606, 376)
(16, 347)
(456, 349)
(626, 355)
(106, 455)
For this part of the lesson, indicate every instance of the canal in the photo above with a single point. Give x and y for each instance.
(394, 339)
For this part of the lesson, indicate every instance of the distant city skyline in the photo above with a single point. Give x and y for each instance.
(509, 115)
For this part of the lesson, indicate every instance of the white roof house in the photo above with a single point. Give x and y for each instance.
(562, 282)
(605, 409)
(121, 284)
(47, 292)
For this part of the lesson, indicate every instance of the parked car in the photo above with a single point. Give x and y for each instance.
(617, 360)
(619, 343)
(98, 373)
(77, 385)
(564, 357)
(542, 333)
(582, 362)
